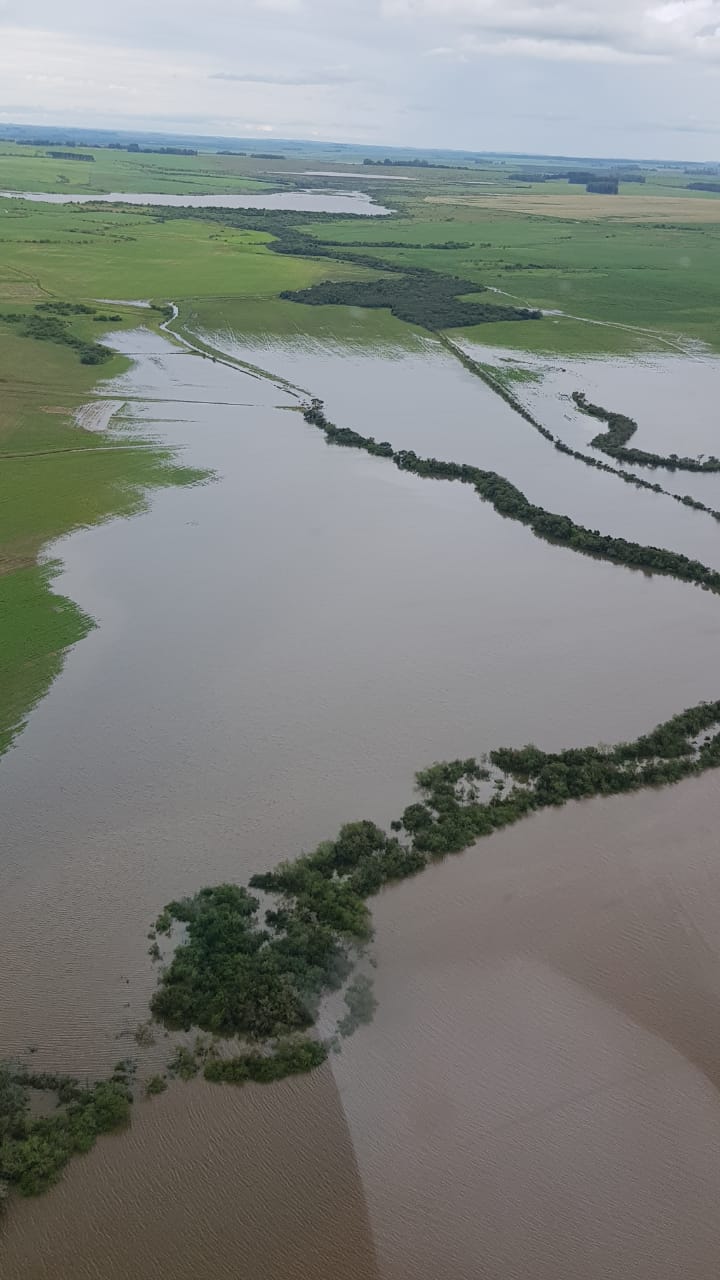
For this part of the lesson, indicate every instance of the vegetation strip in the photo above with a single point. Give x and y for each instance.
(627, 476)
(510, 501)
(621, 429)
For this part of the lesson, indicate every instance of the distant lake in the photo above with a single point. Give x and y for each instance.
(304, 201)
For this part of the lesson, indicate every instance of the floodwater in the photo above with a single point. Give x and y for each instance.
(673, 398)
(306, 201)
(420, 397)
(277, 651)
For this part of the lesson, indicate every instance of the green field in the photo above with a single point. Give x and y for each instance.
(71, 251)
(659, 278)
(24, 168)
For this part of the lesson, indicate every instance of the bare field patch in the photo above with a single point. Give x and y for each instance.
(583, 207)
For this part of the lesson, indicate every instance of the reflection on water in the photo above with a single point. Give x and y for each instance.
(277, 652)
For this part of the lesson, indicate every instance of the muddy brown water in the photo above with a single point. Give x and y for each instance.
(277, 652)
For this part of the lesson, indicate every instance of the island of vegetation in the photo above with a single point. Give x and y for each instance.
(35, 1149)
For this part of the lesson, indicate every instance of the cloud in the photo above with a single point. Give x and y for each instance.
(543, 75)
(291, 78)
(614, 29)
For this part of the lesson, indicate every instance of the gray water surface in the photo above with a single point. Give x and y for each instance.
(305, 201)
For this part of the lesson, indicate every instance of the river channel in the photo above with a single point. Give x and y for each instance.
(277, 651)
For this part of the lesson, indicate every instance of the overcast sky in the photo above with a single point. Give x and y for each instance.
(597, 77)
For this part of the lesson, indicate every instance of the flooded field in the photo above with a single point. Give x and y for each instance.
(672, 396)
(277, 652)
(420, 397)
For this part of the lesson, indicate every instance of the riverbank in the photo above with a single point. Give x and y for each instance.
(57, 476)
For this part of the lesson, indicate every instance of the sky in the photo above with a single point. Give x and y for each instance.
(635, 78)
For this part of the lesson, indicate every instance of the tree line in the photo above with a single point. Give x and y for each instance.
(621, 428)
(511, 502)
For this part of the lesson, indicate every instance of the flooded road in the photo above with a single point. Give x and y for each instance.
(277, 652)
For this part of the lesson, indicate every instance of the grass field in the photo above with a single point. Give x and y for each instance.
(24, 168)
(658, 277)
(74, 252)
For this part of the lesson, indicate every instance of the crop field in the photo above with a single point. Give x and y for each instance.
(685, 206)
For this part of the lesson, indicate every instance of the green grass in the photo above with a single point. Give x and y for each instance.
(38, 628)
(659, 277)
(64, 478)
(24, 168)
(71, 252)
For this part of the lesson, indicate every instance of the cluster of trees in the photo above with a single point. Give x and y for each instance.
(703, 186)
(34, 1150)
(621, 428)
(603, 187)
(233, 975)
(136, 149)
(511, 502)
(47, 324)
(288, 1057)
(420, 297)
(70, 155)
(237, 974)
